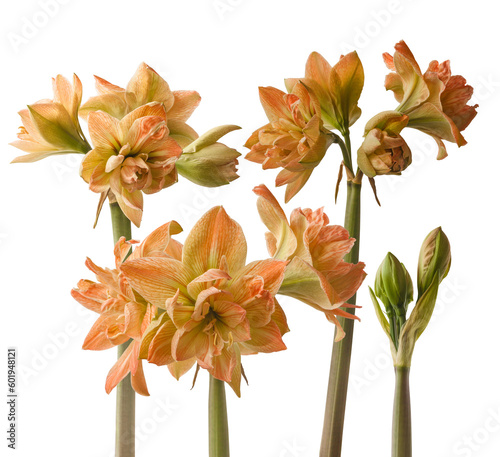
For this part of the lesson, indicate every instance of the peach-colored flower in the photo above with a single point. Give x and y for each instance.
(51, 127)
(384, 151)
(146, 86)
(131, 156)
(216, 306)
(294, 139)
(435, 101)
(337, 88)
(123, 313)
(317, 273)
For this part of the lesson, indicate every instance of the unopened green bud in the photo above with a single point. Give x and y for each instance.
(393, 285)
(208, 163)
(435, 258)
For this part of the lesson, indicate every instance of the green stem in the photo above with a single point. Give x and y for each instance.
(333, 426)
(125, 395)
(218, 434)
(401, 419)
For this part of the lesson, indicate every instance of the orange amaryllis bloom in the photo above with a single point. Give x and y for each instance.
(435, 101)
(294, 139)
(51, 127)
(146, 86)
(317, 273)
(337, 88)
(384, 151)
(123, 313)
(130, 156)
(216, 307)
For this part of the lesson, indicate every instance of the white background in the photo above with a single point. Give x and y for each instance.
(225, 50)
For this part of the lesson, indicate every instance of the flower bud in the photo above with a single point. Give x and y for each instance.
(51, 127)
(208, 163)
(393, 285)
(384, 151)
(435, 258)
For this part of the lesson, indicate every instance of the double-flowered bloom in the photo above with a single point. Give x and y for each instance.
(123, 313)
(294, 139)
(317, 274)
(434, 101)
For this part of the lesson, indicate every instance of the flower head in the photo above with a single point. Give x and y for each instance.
(384, 151)
(435, 101)
(317, 273)
(337, 88)
(123, 313)
(214, 306)
(51, 127)
(131, 156)
(146, 86)
(294, 139)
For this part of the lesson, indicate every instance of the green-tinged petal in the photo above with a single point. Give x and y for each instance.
(209, 138)
(380, 314)
(275, 220)
(308, 285)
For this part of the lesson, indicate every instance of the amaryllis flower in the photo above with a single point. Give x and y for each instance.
(337, 88)
(317, 274)
(123, 313)
(295, 138)
(215, 306)
(146, 86)
(51, 127)
(435, 101)
(384, 151)
(130, 156)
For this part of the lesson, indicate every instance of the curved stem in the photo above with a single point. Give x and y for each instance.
(331, 442)
(218, 434)
(125, 395)
(401, 419)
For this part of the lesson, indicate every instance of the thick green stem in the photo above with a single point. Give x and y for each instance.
(401, 419)
(125, 395)
(218, 434)
(333, 426)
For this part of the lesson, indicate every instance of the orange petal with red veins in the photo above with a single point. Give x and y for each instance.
(160, 349)
(346, 279)
(213, 236)
(104, 131)
(185, 102)
(224, 364)
(157, 278)
(119, 370)
(270, 270)
(265, 339)
(138, 381)
(273, 102)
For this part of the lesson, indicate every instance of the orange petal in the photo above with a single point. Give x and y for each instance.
(276, 221)
(215, 235)
(157, 278)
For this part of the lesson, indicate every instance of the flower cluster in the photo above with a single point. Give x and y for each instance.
(138, 134)
(202, 304)
(434, 102)
(298, 135)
